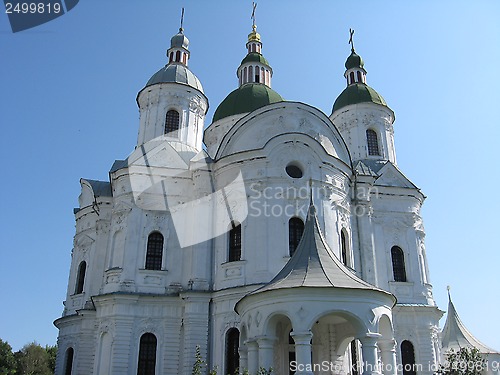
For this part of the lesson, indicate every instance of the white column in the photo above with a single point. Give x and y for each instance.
(253, 358)
(303, 352)
(388, 354)
(370, 357)
(266, 346)
(243, 352)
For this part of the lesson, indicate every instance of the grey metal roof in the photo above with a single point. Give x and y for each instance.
(362, 169)
(100, 188)
(117, 165)
(455, 335)
(314, 265)
(176, 73)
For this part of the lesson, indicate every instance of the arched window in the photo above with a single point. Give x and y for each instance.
(398, 264)
(360, 79)
(234, 242)
(80, 278)
(232, 354)
(343, 247)
(408, 358)
(291, 353)
(354, 358)
(178, 56)
(372, 141)
(172, 123)
(351, 76)
(68, 361)
(147, 355)
(154, 252)
(250, 73)
(295, 230)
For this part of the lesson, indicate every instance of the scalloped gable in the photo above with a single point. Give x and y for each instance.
(254, 130)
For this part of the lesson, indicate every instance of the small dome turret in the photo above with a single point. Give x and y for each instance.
(254, 75)
(179, 40)
(354, 61)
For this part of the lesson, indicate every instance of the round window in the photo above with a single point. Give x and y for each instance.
(294, 171)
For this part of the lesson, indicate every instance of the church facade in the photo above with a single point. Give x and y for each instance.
(277, 237)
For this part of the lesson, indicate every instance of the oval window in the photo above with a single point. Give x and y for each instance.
(294, 171)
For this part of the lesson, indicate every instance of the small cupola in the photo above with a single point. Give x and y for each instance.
(178, 51)
(172, 105)
(254, 78)
(254, 68)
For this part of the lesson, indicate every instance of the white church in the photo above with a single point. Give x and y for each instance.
(271, 236)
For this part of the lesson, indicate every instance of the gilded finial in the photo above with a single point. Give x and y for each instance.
(254, 35)
(181, 29)
(351, 41)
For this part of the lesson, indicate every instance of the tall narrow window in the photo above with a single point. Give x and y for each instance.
(360, 79)
(354, 358)
(372, 141)
(178, 56)
(291, 354)
(68, 361)
(154, 252)
(234, 242)
(80, 278)
(295, 230)
(408, 358)
(232, 354)
(172, 123)
(147, 355)
(351, 75)
(343, 247)
(398, 264)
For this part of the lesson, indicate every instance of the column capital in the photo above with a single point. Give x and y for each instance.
(387, 344)
(265, 341)
(302, 337)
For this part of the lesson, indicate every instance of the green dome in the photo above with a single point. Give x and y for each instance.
(358, 93)
(246, 98)
(254, 57)
(354, 61)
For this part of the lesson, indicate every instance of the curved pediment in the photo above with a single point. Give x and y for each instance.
(253, 131)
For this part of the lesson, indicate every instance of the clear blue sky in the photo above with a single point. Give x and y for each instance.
(67, 110)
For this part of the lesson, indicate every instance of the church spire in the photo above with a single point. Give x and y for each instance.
(355, 72)
(178, 53)
(254, 68)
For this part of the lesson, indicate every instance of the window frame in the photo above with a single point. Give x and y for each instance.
(293, 237)
(154, 251)
(231, 351)
(172, 123)
(405, 347)
(372, 143)
(80, 277)
(234, 242)
(398, 264)
(146, 364)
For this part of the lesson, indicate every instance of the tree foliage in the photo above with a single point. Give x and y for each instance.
(7, 360)
(32, 359)
(466, 361)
